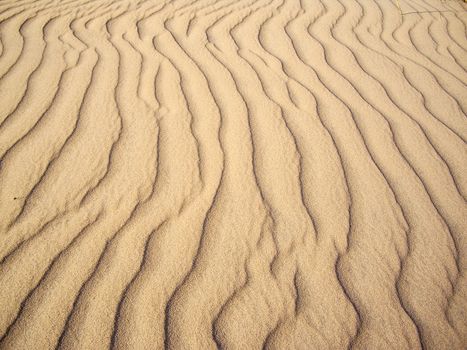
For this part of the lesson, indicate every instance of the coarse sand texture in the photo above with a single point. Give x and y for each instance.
(233, 174)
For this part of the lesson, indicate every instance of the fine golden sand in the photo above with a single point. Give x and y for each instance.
(233, 174)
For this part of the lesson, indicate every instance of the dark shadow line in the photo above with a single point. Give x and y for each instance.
(408, 13)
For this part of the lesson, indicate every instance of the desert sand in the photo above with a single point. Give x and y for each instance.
(233, 174)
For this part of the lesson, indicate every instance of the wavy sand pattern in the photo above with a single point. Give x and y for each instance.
(238, 174)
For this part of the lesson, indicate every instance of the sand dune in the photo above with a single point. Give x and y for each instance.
(238, 174)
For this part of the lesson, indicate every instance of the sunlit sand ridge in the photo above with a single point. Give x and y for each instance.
(235, 174)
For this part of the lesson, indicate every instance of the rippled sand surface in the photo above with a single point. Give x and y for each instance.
(234, 174)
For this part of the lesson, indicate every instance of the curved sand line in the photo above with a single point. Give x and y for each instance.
(196, 174)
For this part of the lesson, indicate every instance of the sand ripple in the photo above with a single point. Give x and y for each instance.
(238, 174)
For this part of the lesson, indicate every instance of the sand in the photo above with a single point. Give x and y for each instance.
(235, 174)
